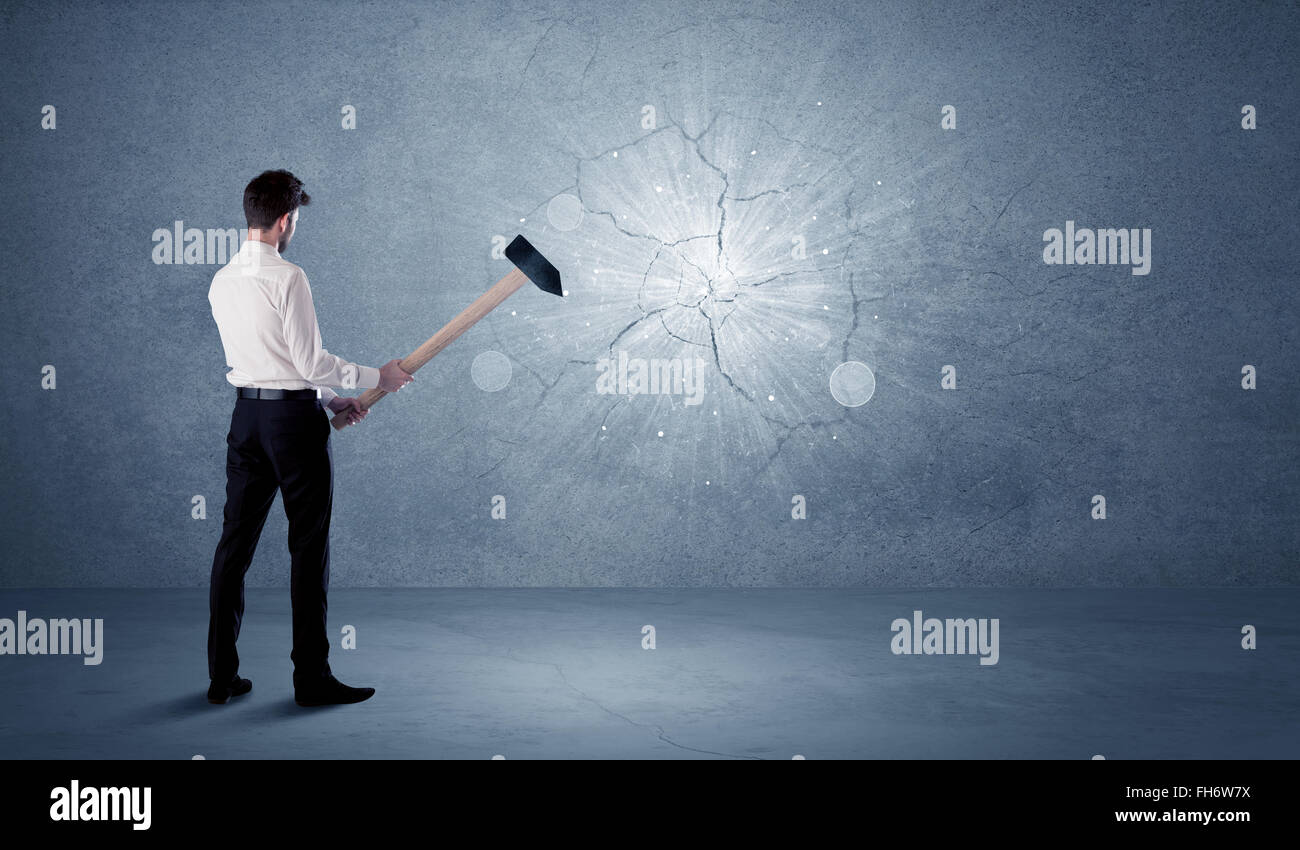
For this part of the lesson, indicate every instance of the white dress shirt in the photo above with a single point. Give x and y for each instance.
(267, 321)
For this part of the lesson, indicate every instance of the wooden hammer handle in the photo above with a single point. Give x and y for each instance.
(482, 305)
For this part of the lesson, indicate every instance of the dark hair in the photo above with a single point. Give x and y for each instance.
(270, 195)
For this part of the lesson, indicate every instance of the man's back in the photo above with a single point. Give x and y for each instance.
(263, 308)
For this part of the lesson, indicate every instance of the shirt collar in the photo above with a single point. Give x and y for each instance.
(257, 246)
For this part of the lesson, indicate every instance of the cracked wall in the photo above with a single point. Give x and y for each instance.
(793, 205)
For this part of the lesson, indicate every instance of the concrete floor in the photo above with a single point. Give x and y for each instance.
(760, 673)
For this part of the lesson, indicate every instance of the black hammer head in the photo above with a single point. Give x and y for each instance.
(531, 262)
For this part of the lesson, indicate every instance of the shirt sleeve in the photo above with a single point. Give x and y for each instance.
(326, 396)
(302, 335)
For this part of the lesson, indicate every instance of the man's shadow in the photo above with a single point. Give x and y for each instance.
(196, 705)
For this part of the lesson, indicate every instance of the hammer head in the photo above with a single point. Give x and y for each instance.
(531, 262)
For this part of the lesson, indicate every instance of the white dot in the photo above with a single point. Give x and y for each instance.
(512, 312)
(715, 413)
(521, 221)
(565, 291)
(769, 227)
(877, 182)
(661, 433)
(615, 154)
(875, 317)
(833, 437)
(814, 218)
(771, 398)
(751, 153)
(706, 484)
(659, 188)
(824, 307)
(588, 324)
(602, 427)
(826, 250)
(819, 103)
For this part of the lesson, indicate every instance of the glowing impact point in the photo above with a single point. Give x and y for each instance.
(564, 212)
(490, 371)
(853, 384)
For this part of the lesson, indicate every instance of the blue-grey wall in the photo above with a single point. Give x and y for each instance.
(783, 200)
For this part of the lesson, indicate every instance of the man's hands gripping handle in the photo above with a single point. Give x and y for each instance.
(392, 377)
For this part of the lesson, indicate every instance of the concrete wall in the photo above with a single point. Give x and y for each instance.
(762, 192)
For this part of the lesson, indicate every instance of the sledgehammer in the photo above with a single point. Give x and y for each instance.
(529, 265)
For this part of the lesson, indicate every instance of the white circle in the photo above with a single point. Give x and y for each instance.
(853, 383)
(490, 371)
(661, 433)
(564, 212)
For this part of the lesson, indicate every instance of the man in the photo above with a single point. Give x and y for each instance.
(279, 438)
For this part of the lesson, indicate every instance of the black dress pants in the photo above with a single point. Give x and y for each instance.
(275, 444)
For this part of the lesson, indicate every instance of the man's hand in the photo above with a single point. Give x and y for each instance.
(392, 378)
(356, 412)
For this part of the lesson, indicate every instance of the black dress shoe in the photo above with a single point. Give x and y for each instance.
(221, 694)
(330, 691)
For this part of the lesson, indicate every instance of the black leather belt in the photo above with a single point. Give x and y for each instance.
(262, 392)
